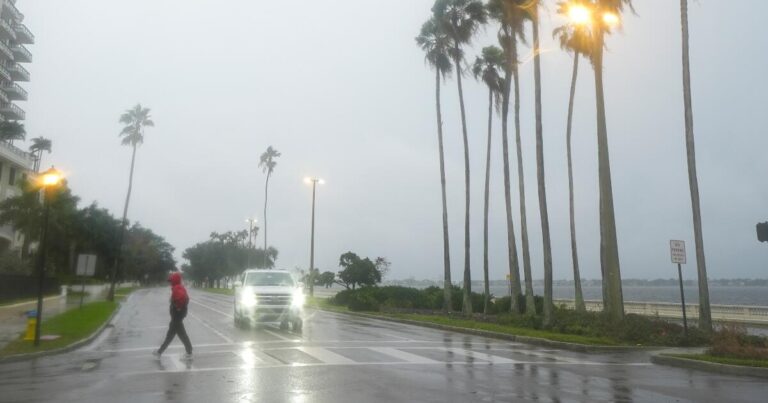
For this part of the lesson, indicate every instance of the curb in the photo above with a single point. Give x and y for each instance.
(583, 348)
(73, 346)
(726, 369)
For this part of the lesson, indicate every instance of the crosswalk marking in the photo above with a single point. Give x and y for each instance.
(402, 355)
(325, 355)
(494, 359)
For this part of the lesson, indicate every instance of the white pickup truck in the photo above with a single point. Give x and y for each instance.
(269, 296)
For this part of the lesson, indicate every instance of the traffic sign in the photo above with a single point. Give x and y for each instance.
(86, 265)
(677, 251)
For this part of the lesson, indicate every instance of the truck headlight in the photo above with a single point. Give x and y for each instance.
(248, 300)
(298, 299)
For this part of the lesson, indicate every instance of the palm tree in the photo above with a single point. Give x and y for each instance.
(533, 9)
(513, 14)
(460, 19)
(39, 144)
(135, 120)
(436, 45)
(576, 38)
(267, 163)
(705, 315)
(12, 130)
(606, 16)
(486, 68)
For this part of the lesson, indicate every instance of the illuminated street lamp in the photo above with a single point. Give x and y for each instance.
(49, 180)
(314, 182)
(611, 19)
(579, 14)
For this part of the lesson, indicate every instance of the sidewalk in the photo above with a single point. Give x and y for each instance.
(13, 319)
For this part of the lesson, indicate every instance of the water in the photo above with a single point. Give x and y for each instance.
(718, 295)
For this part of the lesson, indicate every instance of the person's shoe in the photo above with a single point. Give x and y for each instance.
(156, 353)
(187, 357)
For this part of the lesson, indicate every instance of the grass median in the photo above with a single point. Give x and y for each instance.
(745, 362)
(324, 304)
(71, 326)
(221, 291)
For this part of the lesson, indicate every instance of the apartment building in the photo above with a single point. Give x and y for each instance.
(14, 162)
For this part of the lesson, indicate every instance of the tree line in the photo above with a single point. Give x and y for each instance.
(445, 38)
(72, 230)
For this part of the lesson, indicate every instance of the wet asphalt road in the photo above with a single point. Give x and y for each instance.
(338, 358)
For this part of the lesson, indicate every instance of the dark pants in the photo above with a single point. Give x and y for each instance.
(176, 327)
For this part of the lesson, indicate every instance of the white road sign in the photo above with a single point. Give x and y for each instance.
(677, 250)
(86, 265)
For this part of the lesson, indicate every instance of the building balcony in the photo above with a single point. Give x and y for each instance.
(5, 74)
(15, 92)
(5, 52)
(6, 32)
(12, 112)
(16, 155)
(17, 72)
(21, 54)
(10, 8)
(23, 34)
(4, 98)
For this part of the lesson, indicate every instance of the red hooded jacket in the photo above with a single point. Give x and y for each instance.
(179, 297)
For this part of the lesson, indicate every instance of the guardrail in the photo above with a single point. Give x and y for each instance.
(748, 314)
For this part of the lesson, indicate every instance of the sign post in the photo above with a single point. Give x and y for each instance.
(677, 251)
(86, 266)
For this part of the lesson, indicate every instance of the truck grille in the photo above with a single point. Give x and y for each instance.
(273, 299)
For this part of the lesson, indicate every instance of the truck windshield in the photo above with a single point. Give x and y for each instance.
(269, 279)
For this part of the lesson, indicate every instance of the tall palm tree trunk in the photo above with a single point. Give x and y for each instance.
(548, 306)
(467, 304)
(266, 193)
(121, 236)
(447, 285)
(514, 265)
(608, 242)
(574, 251)
(705, 315)
(486, 285)
(530, 306)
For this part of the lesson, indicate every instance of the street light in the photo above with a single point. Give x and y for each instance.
(250, 222)
(48, 180)
(314, 182)
(611, 19)
(579, 14)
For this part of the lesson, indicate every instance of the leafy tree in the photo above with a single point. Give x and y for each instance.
(436, 45)
(135, 121)
(326, 279)
(487, 68)
(224, 255)
(705, 314)
(382, 265)
(148, 258)
(460, 19)
(267, 163)
(356, 271)
(39, 144)
(574, 37)
(12, 130)
(512, 15)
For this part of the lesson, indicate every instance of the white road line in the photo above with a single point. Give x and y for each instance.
(278, 335)
(495, 359)
(402, 355)
(218, 333)
(213, 309)
(325, 355)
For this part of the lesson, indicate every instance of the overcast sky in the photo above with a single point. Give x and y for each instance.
(340, 88)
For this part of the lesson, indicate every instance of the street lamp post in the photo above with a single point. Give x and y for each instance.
(50, 178)
(250, 222)
(314, 182)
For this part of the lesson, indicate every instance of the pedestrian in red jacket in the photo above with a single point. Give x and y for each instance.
(179, 302)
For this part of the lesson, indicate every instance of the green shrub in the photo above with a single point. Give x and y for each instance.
(732, 340)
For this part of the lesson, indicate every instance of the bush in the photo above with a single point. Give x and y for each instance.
(732, 340)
